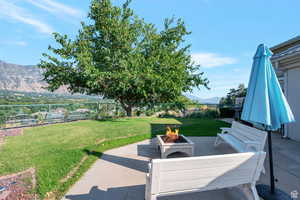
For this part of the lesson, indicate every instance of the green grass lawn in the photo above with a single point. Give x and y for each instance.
(56, 149)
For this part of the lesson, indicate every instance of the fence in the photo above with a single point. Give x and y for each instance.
(38, 114)
(13, 116)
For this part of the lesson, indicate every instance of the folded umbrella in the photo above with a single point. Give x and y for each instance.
(266, 105)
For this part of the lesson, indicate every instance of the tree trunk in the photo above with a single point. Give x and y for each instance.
(128, 110)
(127, 107)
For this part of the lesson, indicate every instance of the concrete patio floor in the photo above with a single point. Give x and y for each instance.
(120, 173)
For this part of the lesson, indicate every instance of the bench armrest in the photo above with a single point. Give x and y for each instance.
(147, 187)
(225, 130)
(149, 167)
(251, 142)
(253, 145)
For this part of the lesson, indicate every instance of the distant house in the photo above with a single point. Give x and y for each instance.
(20, 120)
(59, 110)
(286, 61)
(83, 110)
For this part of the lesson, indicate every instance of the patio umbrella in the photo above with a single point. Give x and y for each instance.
(266, 105)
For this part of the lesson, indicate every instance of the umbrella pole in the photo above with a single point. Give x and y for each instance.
(272, 179)
(269, 192)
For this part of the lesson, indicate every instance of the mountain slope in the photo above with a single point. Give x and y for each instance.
(213, 100)
(28, 78)
(25, 78)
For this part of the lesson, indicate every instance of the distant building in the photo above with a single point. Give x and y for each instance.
(59, 110)
(83, 110)
(286, 61)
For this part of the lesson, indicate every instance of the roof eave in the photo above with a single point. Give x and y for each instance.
(286, 43)
(288, 56)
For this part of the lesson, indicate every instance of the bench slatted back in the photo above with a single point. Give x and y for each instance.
(244, 133)
(205, 172)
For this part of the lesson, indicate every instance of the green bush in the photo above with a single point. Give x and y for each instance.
(205, 114)
(227, 112)
(138, 113)
(149, 112)
(167, 115)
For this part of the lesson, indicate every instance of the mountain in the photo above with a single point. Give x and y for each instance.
(28, 78)
(24, 78)
(213, 100)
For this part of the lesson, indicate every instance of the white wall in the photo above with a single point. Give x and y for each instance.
(293, 97)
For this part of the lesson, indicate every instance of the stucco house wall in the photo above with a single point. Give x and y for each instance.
(293, 88)
(286, 60)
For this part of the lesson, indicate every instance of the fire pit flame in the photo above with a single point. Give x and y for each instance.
(172, 135)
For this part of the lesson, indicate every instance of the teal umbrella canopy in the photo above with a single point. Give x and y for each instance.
(265, 102)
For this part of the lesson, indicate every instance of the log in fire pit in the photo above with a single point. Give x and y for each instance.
(172, 142)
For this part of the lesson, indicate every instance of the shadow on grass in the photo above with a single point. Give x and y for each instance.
(93, 153)
(191, 127)
(160, 128)
(110, 119)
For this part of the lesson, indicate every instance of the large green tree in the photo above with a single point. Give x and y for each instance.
(233, 93)
(119, 56)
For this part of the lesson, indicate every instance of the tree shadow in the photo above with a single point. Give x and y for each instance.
(93, 153)
(136, 192)
(149, 150)
(139, 165)
(199, 127)
(109, 119)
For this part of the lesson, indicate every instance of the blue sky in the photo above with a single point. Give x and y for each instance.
(224, 36)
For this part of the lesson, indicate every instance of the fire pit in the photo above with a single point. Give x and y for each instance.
(173, 142)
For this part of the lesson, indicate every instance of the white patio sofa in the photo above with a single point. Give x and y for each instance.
(203, 173)
(242, 138)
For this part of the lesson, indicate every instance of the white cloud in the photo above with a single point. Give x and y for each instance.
(55, 7)
(210, 60)
(236, 69)
(222, 80)
(17, 43)
(21, 43)
(11, 11)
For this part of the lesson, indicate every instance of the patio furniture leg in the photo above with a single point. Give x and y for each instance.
(254, 191)
(217, 142)
(247, 191)
(151, 197)
(263, 170)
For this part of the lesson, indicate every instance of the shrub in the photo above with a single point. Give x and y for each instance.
(167, 115)
(203, 107)
(227, 112)
(149, 112)
(208, 114)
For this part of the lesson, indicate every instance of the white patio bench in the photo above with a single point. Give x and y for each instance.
(242, 138)
(203, 173)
